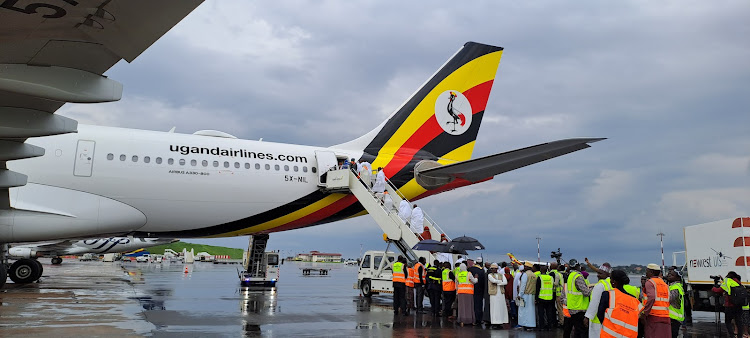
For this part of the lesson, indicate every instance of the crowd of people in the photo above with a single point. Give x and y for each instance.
(529, 296)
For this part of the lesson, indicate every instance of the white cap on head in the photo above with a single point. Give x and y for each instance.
(653, 266)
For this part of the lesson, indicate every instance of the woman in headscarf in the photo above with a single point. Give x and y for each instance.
(465, 293)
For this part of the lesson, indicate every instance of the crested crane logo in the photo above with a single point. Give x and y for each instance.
(453, 112)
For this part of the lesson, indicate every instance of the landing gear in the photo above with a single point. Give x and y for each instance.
(3, 275)
(25, 271)
(56, 260)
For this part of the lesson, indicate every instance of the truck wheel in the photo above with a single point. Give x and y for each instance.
(24, 271)
(56, 260)
(3, 275)
(366, 288)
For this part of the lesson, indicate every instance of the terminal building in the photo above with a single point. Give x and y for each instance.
(321, 257)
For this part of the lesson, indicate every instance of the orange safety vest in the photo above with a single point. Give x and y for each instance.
(448, 284)
(410, 279)
(398, 273)
(621, 317)
(661, 303)
(416, 271)
(464, 284)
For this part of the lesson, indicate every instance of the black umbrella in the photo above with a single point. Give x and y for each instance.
(465, 243)
(435, 246)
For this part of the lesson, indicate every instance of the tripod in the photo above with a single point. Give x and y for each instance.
(718, 314)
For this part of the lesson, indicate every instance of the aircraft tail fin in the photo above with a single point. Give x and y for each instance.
(440, 121)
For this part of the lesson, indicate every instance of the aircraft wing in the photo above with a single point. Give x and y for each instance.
(482, 168)
(53, 52)
(53, 246)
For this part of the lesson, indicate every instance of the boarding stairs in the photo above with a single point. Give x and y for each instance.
(255, 268)
(386, 216)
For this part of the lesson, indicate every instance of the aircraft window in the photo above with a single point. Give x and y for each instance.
(135, 158)
(216, 163)
(182, 161)
(170, 161)
(110, 156)
(366, 262)
(123, 157)
(237, 165)
(257, 166)
(226, 164)
(276, 166)
(205, 163)
(304, 169)
(268, 167)
(286, 168)
(158, 160)
(313, 170)
(296, 168)
(193, 163)
(146, 159)
(247, 165)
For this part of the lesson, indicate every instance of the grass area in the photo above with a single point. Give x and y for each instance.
(213, 250)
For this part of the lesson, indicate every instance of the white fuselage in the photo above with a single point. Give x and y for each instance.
(154, 182)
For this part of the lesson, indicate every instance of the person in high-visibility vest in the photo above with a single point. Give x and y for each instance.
(676, 302)
(603, 285)
(419, 283)
(577, 298)
(399, 286)
(558, 283)
(732, 312)
(410, 286)
(545, 297)
(434, 286)
(656, 304)
(618, 310)
(465, 294)
(449, 289)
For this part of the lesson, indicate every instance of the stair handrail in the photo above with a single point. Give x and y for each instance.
(426, 216)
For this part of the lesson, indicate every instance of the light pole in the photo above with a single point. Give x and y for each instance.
(538, 252)
(661, 240)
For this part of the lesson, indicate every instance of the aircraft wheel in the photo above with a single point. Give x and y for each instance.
(41, 267)
(25, 271)
(366, 288)
(56, 260)
(3, 275)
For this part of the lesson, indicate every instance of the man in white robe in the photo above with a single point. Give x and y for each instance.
(387, 201)
(404, 211)
(364, 169)
(498, 309)
(379, 185)
(527, 312)
(416, 220)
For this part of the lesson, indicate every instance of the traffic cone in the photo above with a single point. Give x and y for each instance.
(186, 269)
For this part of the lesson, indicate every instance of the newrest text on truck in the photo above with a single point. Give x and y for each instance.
(714, 249)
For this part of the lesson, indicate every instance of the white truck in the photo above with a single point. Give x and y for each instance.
(713, 249)
(375, 273)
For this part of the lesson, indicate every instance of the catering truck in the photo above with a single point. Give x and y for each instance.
(711, 250)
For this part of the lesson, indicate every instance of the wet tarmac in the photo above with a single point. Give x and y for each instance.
(137, 299)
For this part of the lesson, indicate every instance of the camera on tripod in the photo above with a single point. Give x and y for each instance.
(556, 255)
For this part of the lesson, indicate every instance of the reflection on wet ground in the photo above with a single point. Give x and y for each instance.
(165, 300)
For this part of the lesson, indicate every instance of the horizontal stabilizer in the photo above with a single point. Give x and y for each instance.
(485, 167)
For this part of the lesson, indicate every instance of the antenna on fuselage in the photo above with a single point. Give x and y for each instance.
(172, 130)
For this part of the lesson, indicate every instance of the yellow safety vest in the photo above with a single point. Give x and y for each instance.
(464, 285)
(677, 314)
(398, 273)
(546, 290)
(576, 299)
(607, 287)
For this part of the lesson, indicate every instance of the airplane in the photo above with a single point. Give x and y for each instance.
(62, 180)
(55, 249)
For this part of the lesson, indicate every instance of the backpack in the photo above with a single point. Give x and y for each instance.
(738, 296)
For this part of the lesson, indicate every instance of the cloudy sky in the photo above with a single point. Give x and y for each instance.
(666, 82)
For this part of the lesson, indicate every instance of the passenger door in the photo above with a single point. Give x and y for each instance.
(84, 162)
